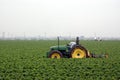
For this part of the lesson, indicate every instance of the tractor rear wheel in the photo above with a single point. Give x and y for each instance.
(78, 52)
(55, 54)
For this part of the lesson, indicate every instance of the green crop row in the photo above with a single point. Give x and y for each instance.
(26, 60)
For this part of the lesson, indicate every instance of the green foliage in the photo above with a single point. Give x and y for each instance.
(26, 60)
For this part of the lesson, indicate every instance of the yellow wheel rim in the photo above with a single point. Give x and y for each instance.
(78, 53)
(55, 55)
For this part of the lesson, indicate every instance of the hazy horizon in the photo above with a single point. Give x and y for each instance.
(60, 17)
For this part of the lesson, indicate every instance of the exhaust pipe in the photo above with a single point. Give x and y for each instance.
(77, 41)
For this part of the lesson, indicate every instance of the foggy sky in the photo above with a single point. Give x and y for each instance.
(61, 17)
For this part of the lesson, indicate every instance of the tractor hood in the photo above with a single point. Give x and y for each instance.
(61, 47)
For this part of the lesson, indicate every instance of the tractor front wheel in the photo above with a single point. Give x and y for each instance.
(55, 54)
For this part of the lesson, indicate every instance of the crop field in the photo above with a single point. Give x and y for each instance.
(26, 60)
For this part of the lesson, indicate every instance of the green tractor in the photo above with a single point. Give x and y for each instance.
(71, 50)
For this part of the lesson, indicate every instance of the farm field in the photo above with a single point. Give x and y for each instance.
(26, 60)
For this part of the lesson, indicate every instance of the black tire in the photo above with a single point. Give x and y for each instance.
(78, 52)
(55, 54)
